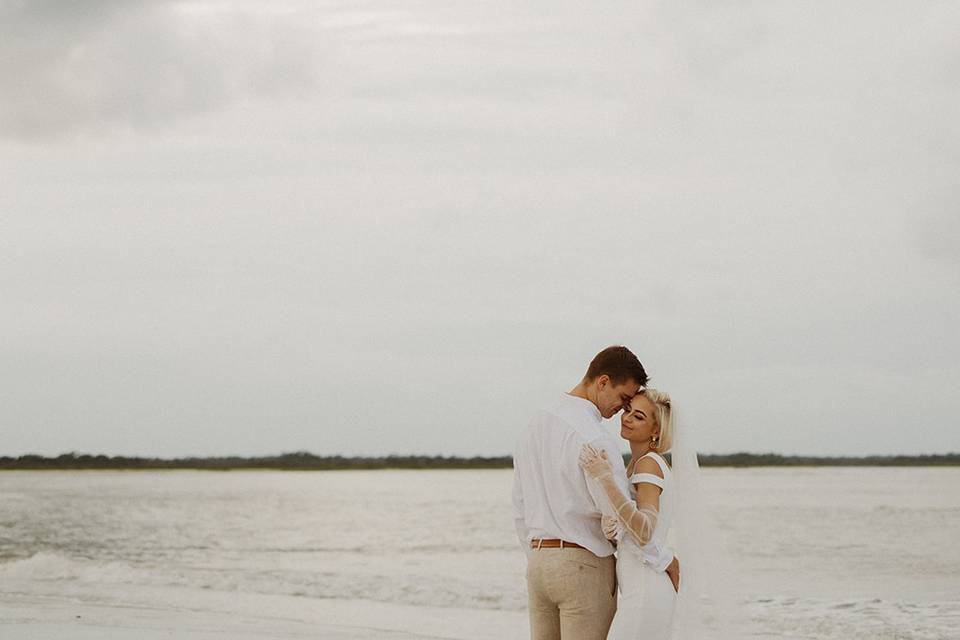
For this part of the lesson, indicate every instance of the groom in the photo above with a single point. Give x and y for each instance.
(571, 570)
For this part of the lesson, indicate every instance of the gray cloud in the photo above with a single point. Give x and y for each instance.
(938, 232)
(73, 67)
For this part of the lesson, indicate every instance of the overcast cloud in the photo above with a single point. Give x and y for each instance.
(399, 227)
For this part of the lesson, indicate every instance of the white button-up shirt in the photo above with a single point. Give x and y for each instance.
(552, 497)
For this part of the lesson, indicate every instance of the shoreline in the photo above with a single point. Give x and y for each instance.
(451, 469)
(302, 461)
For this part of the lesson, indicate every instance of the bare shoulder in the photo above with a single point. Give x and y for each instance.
(648, 465)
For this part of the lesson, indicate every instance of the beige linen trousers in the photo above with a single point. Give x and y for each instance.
(572, 594)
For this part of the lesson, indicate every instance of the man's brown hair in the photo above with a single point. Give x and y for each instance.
(619, 364)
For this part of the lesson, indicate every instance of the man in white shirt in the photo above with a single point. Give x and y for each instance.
(571, 571)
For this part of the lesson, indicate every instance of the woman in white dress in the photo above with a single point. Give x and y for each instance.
(647, 594)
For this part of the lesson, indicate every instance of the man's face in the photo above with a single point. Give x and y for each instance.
(613, 397)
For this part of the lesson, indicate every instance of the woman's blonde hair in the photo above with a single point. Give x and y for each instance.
(664, 415)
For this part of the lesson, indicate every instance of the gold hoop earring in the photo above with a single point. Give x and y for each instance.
(655, 441)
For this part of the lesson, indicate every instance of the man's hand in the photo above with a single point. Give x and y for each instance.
(610, 527)
(673, 571)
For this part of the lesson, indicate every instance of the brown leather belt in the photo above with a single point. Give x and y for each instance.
(553, 543)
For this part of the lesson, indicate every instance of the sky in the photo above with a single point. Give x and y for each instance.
(369, 228)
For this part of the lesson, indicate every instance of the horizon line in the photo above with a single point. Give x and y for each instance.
(376, 456)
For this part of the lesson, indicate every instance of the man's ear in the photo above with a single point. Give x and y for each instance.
(602, 380)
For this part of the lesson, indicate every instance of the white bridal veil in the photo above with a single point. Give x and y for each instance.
(702, 608)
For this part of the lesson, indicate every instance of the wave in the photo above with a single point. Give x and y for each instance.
(379, 549)
(49, 566)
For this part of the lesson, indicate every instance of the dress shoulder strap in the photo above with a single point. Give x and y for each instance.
(637, 478)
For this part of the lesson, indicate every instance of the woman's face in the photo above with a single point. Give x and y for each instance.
(638, 421)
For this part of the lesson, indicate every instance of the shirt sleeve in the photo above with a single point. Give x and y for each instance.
(519, 517)
(658, 557)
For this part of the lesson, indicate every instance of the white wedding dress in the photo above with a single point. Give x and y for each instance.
(647, 598)
(649, 608)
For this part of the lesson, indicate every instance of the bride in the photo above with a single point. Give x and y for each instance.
(648, 595)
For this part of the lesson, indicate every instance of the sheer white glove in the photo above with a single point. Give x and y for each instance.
(640, 521)
(594, 462)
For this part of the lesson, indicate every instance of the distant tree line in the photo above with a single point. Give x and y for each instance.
(304, 461)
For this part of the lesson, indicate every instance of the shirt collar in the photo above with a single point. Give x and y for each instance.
(585, 405)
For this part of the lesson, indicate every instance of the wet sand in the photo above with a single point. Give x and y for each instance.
(249, 617)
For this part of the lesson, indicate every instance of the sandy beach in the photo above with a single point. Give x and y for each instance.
(208, 616)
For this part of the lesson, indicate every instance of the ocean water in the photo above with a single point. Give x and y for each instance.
(809, 553)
